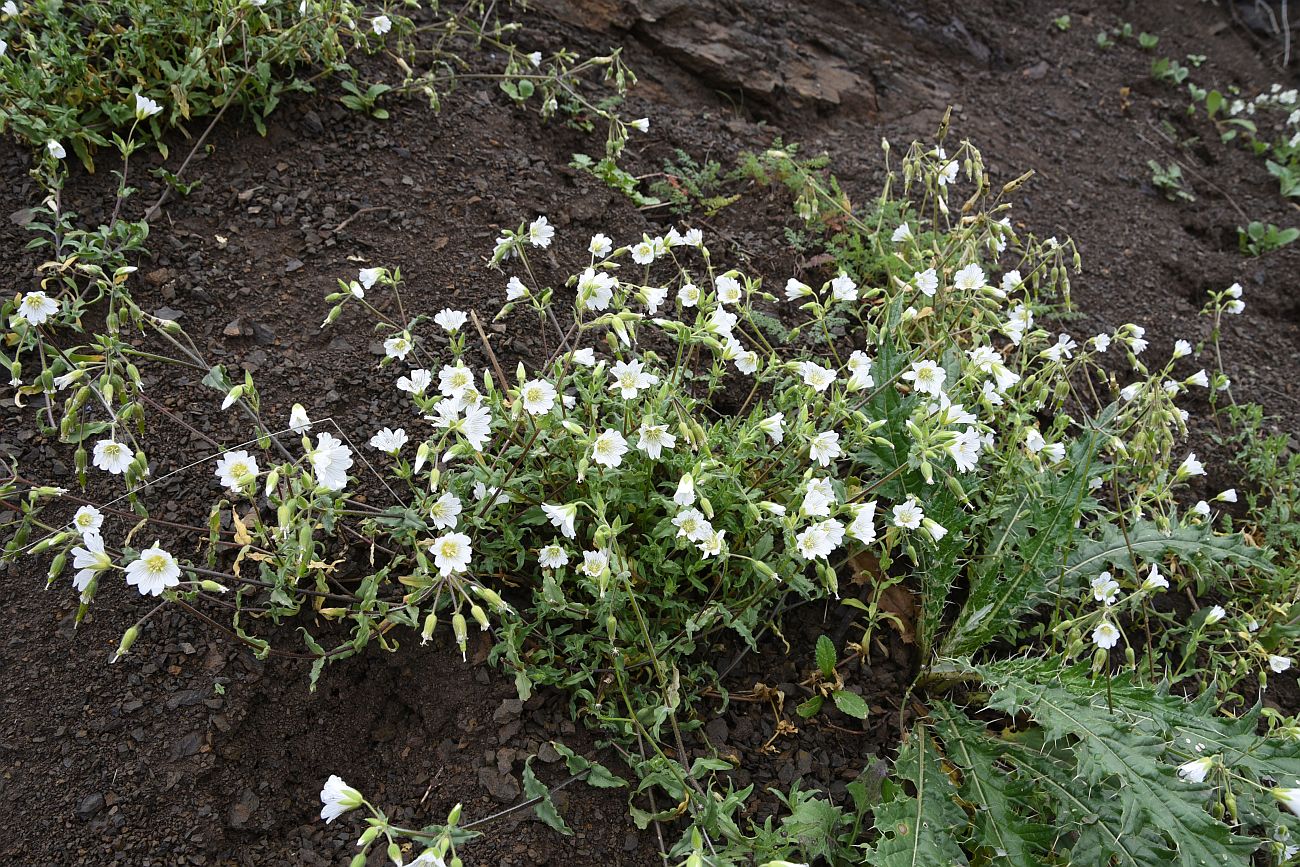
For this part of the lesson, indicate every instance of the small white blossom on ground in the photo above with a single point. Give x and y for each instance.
(153, 571)
(337, 797)
(609, 448)
(388, 440)
(36, 307)
(236, 469)
(451, 553)
(112, 457)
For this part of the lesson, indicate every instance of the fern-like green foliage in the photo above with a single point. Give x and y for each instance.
(1061, 767)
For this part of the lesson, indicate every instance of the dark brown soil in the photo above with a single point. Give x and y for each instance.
(148, 762)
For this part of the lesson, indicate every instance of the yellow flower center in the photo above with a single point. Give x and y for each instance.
(156, 563)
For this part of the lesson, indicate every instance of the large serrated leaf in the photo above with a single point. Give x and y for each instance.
(918, 829)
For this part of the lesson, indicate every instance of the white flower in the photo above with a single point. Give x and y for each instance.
(927, 281)
(537, 396)
(10, 8)
(859, 365)
(609, 448)
(1279, 664)
(1106, 635)
(453, 381)
(1202, 508)
(112, 457)
(926, 376)
(654, 296)
(773, 427)
(824, 448)
(908, 514)
(1101, 342)
(728, 289)
(1034, 440)
(1011, 281)
(688, 295)
(594, 563)
(4, 46)
(901, 234)
(643, 253)
(1228, 496)
(56, 150)
(398, 347)
(450, 320)
(330, 461)
(562, 517)
(819, 540)
(1154, 580)
(720, 321)
(630, 378)
(863, 525)
(693, 238)
(640, 124)
(298, 420)
(969, 279)
(153, 571)
(987, 360)
(87, 521)
(381, 24)
(795, 289)
(843, 288)
(600, 245)
(1182, 348)
(1019, 320)
(552, 556)
(965, 450)
(145, 107)
(1216, 614)
(445, 511)
(1195, 770)
(89, 561)
(815, 376)
(654, 438)
(1290, 798)
(712, 546)
(390, 441)
(818, 498)
(540, 233)
(475, 427)
(1200, 378)
(416, 382)
(236, 469)
(451, 553)
(368, 276)
(1105, 589)
(685, 494)
(515, 289)
(585, 357)
(1188, 468)
(337, 797)
(595, 289)
(36, 307)
(692, 524)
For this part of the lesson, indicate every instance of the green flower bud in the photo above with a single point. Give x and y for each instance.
(212, 586)
(368, 836)
(454, 816)
(461, 631)
(430, 624)
(358, 860)
(480, 617)
(127, 640)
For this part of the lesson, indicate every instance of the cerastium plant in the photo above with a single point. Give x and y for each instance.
(675, 467)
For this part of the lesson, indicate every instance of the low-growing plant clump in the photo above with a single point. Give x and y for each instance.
(696, 451)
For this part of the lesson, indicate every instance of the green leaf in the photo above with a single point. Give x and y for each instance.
(545, 807)
(810, 707)
(920, 829)
(826, 657)
(851, 703)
